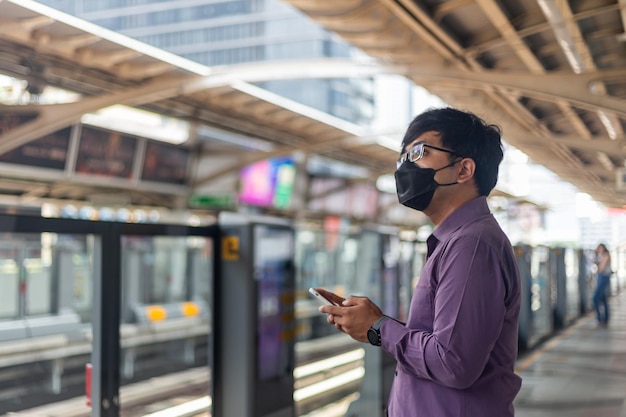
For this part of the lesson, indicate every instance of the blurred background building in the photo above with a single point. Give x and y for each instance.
(235, 32)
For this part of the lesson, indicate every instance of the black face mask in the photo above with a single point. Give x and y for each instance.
(415, 186)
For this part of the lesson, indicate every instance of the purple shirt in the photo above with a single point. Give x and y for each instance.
(456, 354)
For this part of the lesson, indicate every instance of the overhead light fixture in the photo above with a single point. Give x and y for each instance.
(620, 179)
(554, 16)
(605, 161)
(298, 108)
(609, 125)
(140, 122)
(207, 133)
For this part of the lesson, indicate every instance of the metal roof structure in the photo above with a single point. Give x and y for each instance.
(552, 73)
(49, 48)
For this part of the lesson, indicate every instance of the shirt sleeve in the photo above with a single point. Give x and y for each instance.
(469, 311)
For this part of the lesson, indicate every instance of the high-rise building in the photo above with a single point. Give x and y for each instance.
(237, 31)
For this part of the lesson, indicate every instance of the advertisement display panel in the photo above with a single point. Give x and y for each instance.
(105, 153)
(273, 273)
(49, 151)
(11, 121)
(268, 183)
(165, 163)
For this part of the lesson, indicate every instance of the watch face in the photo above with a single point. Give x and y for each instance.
(373, 337)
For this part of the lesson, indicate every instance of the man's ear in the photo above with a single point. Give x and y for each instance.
(467, 169)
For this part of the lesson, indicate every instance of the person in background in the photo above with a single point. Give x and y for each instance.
(600, 297)
(456, 353)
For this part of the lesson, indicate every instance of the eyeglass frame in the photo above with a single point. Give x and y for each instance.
(419, 149)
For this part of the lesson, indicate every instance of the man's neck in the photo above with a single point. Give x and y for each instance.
(439, 212)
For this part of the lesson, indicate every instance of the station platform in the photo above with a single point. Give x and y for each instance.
(580, 372)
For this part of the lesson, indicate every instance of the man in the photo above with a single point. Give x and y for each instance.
(456, 353)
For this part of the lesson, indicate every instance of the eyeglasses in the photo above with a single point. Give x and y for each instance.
(417, 152)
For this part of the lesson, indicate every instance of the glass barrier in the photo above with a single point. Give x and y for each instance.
(573, 308)
(10, 278)
(540, 294)
(45, 327)
(411, 262)
(619, 268)
(167, 350)
(327, 260)
(370, 263)
(329, 364)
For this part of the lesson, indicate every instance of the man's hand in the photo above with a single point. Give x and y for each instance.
(355, 316)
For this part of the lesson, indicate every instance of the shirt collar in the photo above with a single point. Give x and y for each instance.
(431, 245)
(465, 214)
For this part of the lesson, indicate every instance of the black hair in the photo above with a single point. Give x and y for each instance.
(468, 136)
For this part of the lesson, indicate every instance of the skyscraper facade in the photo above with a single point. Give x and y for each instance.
(237, 31)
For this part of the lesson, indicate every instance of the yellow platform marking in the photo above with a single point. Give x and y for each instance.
(551, 344)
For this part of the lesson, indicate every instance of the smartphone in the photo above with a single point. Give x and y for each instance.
(321, 298)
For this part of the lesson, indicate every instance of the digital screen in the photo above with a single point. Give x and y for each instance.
(165, 163)
(49, 151)
(273, 273)
(9, 122)
(105, 153)
(268, 183)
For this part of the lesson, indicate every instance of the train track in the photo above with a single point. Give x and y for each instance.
(328, 369)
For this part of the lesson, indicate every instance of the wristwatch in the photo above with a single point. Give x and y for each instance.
(373, 333)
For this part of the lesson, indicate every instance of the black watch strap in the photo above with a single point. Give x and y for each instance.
(376, 326)
(373, 334)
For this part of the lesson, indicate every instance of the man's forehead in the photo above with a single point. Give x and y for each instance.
(430, 137)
